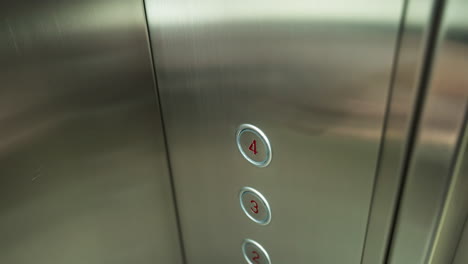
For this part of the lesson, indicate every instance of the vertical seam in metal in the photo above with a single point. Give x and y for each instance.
(424, 79)
(457, 158)
(465, 225)
(454, 160)
(396, 57)
(166, 144)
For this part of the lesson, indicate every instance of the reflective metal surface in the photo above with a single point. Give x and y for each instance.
(430, 210)
(83, 170)
(314, 75)
(402, 111)
(449, 235)
(461, 255)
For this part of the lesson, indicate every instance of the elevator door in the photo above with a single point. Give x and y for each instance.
(304, 84)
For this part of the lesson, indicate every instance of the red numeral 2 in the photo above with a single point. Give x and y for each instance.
(255, 207)
(253, 147)
(256, 258)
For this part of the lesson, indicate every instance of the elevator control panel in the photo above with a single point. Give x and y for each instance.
(254, 253)
(253, 145)
(255, 206)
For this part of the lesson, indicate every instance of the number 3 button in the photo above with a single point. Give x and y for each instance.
(254, 145)
(255, 206)
(254, 253)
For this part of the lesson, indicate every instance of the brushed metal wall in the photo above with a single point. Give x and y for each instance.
(83, 168)
(314, 76)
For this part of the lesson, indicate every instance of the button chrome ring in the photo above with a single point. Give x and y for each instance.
(259, 133)
(262, 199)
(259, 247)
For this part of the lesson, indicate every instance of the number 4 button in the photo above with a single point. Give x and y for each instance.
(253, 145)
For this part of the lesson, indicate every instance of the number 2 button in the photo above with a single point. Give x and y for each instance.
(254, 253)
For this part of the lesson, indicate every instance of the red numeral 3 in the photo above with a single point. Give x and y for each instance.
(255, 207)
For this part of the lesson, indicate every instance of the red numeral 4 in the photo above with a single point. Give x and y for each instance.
(253, 147)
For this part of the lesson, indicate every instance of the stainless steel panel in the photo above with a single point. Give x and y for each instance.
(461, 256)
(450, 234)
(314, 76)
(405, 93)
(83, 170)
(430, 219)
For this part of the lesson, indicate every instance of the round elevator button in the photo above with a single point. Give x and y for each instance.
(254, 253)
(255, 206)
(253, 145)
